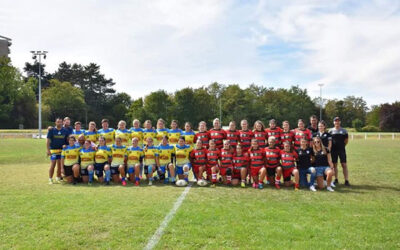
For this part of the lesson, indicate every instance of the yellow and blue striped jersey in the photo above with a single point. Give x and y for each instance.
(150, 154)
(135, 155)
(174, 135)
(149, 133)
(118, 155)
(189, 137)
(182, 154)
(70, 154)
(125, 135)
(108, 134)
(160, 133)
(165, 154)
(87, 157)
(91, 135)
(138, 133)
(103, 154)
(78, 132)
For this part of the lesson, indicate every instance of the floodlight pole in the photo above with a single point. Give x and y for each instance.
(320, 100)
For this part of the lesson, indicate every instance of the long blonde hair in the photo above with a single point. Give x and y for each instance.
(320, 143)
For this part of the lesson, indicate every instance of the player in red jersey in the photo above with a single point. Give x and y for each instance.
(213, 156)
(245, 135)
(287, 134)
(260, 134)
(257, 163)
(203, 134)
(240, 164)
(274, 131)
(198, 157)
(272, 161)
(217, 133)
(226, 167)
(300, 132)
(232, 134)
(288, 162)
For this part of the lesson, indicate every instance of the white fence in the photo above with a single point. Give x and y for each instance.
(376, 136)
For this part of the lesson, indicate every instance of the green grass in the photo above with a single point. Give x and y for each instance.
(34, 214)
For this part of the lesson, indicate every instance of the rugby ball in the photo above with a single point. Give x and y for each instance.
(181, 183)
(202, 183)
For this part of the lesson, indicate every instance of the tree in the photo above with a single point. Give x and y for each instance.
(136, 111)
(372, 117)
(184, 105)
(10, 79)
(63, 99)
(25, 109)
(117, 108)
(348, 109)
(158, 105)
(32, 70)
(390, 117)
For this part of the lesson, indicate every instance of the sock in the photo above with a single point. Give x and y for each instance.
(214, 178)
(229, 178)
(186, 176)
(260, 182)
(91, 172)
(137, 178)
(277, 181)
(122, 178)
(296, 185)
(108, 175)
(243, 180)
(151, 179)
(186, 179)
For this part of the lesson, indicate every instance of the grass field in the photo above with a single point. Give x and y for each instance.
(34, 214)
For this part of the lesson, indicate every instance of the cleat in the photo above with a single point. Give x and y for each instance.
(346, 183)
(58, 181)
(296, 189)
(312, 188)
(51, 182)
(333, 185)
(136, 183)
(123, 183)
(330, 189)
(150, 183)
(336, 182)
(260, 186)
(254, 185)
(243, 185)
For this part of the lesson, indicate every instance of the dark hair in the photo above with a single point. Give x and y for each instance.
(72, 137)
(104, 120)
(78, 122)
(182, 138)
(313, 117)
(59, 118)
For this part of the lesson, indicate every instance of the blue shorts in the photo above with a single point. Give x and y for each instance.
(179, 169)
(321, 170)
(54, 157)
(163, 169)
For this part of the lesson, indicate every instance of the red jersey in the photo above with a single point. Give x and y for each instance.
(199, 157)
(241, 161)
(245, 137)
(298, 134)
(276, 132)
(226, 158)
(272, 156)
(288, 159)
(256, 157)
(261, 136)
(218, 135)
(287, 136)
(233, 137)
(212, 157)
(204, 137)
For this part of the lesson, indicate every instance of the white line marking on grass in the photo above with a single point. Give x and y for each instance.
(160, 230)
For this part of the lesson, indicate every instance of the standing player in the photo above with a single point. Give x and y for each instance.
(287, 135)
(86, 155)
(161, 131)
(272, 156)
(304, 165)
(323, 164)
(135, 156)
(325, 136)
(151, 159)
(274, 131)
(288, 163)
(232, 134)
(213, 156)
(56, 139)
(67, 125)
(166, 153)
(301, 132)
(91, 133)
(182, 159)
(203, 135)
(107, 132)
(240, 165)
(174, 133)
(188, 134)
(217, 133)
(257, 163)
(313, 126)
(226, 169)
(123, 133)
(101, 161)
(70, 160)
(245, 135)
(259, 134)
(137, 131)
(340, 138)
(119, 157)
(78, 129)
(149, 132)
(198, 158)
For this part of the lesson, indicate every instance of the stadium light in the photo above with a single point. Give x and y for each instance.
(39, 54)
(320, 100)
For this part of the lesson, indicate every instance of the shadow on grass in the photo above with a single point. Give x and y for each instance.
(365, 188)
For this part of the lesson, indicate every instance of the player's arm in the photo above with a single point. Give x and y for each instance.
(48, 140)
(346, 139)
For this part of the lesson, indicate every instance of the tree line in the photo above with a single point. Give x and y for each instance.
(85, 94)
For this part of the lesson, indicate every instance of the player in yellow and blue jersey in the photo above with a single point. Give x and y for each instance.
(119, 157)
(174, 133)
(123, 133)
(151, 161)
(86, 154)
(135, 157)
(148, 131)
(70, 160)
(137, 131)
(189, 134)
(161, 131)
(78, 129)
(107, 132)
(91, 133)
(182, 159)
(166, 153)
(102, 160)
(56, 139)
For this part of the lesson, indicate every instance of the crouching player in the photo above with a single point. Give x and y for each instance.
(213, 155)
(304, 166)
(226, 169)
(182, 160)
(86, 155)
(166, 153)
(118, 156)
(70, 160)
(272, 154)
(151, 160)
(288, 163)
(198, 158)
(135, 156)
(257, 162)
(101, 160)
(240, 164)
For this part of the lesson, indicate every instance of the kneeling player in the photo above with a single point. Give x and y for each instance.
(272, 161)
(70, 160)
(182, 153)
(288, 163)
(198, 158)
(240, 164)
(166, 153)
(102, 158)
(257, 162)
(135, 156)
(86, 155)
(213, 155)
(226, 169)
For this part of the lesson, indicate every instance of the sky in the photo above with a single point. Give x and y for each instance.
(351, 47)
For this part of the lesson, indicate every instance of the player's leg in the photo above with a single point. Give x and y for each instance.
(329, 173)
(313, 175)
(68, 173)
(287, 174)
(99, 171)
(90, 170)
(214, 172)
(107, 170)
(243, 175)
(51, 169)
(278, 177)
(75, 173)
(335, 157)
(296, 176)
(121, 169)
(343, 162)
(228, 176)
(85, 175)
(186, 169)
(171, 172)
(137, 174)
(115, 173)
(58, 161)
(320, 177)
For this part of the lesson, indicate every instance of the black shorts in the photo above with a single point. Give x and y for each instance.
(341, 154)
(84, 172)
(114, 170)
(99, 168)
(271, 172)
(68, 170)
